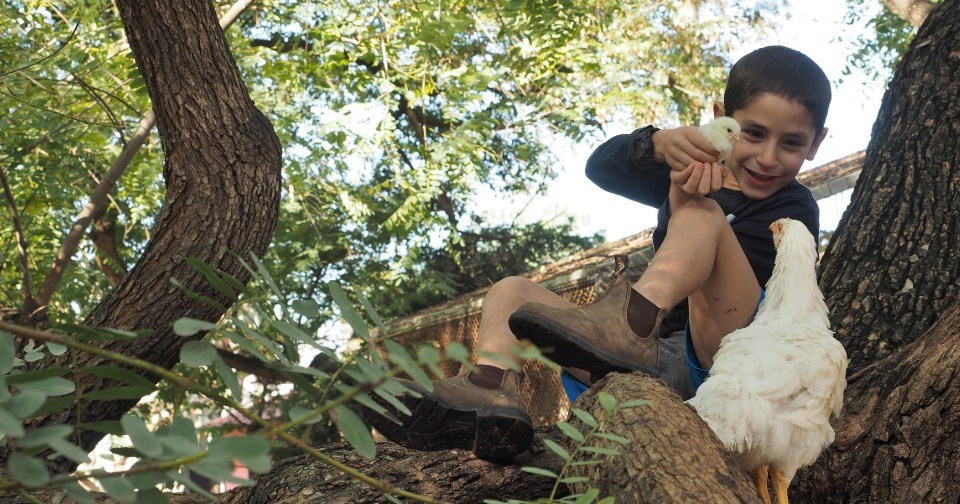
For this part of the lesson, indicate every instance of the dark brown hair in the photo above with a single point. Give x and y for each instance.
(780, 71)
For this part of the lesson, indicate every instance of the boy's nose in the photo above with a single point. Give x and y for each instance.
(767, 157)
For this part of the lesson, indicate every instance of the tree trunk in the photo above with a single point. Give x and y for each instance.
(672, 457)
(222, 171)
(898, 436)
(892, 267)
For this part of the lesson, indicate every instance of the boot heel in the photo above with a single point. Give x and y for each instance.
(502, 435)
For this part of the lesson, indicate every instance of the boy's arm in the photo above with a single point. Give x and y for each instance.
(624, 165)
(639, 166)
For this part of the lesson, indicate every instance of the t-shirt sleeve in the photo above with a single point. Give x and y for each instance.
(756, 239)
(614, 167)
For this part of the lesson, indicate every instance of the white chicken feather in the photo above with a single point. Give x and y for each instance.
(721, 133)
(775, 383)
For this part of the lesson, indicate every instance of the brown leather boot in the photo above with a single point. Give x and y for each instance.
(494, 423)
(595, 337)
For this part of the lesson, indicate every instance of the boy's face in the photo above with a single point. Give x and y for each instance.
(776, 136)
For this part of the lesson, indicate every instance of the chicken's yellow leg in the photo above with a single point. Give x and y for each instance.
(780, 484)
(760, 480)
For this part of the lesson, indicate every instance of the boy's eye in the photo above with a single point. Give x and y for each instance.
(752, 133)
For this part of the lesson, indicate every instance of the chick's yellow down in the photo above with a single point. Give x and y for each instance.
(775, 384)
(721, 133)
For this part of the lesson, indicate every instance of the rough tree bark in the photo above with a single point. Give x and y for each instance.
(890, 272)
(222, 171)
(898, 437)
(689, 460)
(893, 265)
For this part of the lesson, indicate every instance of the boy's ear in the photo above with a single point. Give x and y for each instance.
(718, 110)
(816, 144)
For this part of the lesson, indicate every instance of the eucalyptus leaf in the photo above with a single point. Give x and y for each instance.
(27, 470)
(119, 488)
(7, 352)
(9, 424)
(355, 432)
(197, 354)
(188, 326)
(52, 386)
(25, 403)
(143, 440)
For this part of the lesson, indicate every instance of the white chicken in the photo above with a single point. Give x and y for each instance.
(775, 383)
(721, 133)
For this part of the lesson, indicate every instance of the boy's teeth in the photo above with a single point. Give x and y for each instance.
(757, 175)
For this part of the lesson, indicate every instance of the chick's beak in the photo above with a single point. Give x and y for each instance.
(736, 137)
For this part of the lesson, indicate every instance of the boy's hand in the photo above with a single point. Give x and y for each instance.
(699, 179)
(682, 146)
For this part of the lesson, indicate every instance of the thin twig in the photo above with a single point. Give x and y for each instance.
(45, 58)
(28, 300)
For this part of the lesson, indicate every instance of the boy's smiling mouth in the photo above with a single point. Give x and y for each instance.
(758, 178)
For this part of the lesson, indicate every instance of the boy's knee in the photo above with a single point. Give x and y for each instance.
(698, 208)
(511, 288)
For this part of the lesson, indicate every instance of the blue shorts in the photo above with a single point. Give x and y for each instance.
(697, 373)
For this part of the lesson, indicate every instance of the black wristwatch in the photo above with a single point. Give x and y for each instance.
(643, 145)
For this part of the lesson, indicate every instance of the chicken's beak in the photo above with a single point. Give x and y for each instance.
(736, 137)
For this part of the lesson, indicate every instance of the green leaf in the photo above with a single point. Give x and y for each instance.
(7, 352)
(540, 472)
(559, 450)
(399, 356)
(9, 425)
(307, 308)
(252, 451)
(27, 470)
(53, 386)
(119, 488)
(213, 277)
(570, 431)
(355, 432)
(608, 402)
(197, 354)
(264, 274)
(353, 318)
(636, 402)
(585, 417)
(569, 480)
(189, 483)
(298, 412)
(56, 348)
(294, 332)
(32, 356)
(43, 436)
(31, 376)
(121, 375)
(143, 440)
(213, 303)
(605, 500)
(429, 356)
(188, 326)
(458, 352)
(151, 496)
(371, 312)
(77, 492)
(229, 377)
(588, 497)
(54, 404)
(25, 404)
(613, 437)
(115, 393)
(600, 450)
(70, 451)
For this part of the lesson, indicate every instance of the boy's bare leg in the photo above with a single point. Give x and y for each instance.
(494, 336)
(701, 260)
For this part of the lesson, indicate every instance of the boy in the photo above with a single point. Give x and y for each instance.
(713, 252)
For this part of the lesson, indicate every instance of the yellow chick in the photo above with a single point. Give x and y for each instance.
(721, 133)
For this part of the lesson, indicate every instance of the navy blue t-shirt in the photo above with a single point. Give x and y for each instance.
(614, 167)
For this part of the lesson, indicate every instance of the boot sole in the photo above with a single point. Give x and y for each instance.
(495, 433)
(569, 349)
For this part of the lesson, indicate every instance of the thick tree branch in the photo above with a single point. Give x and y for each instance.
(99, 196)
